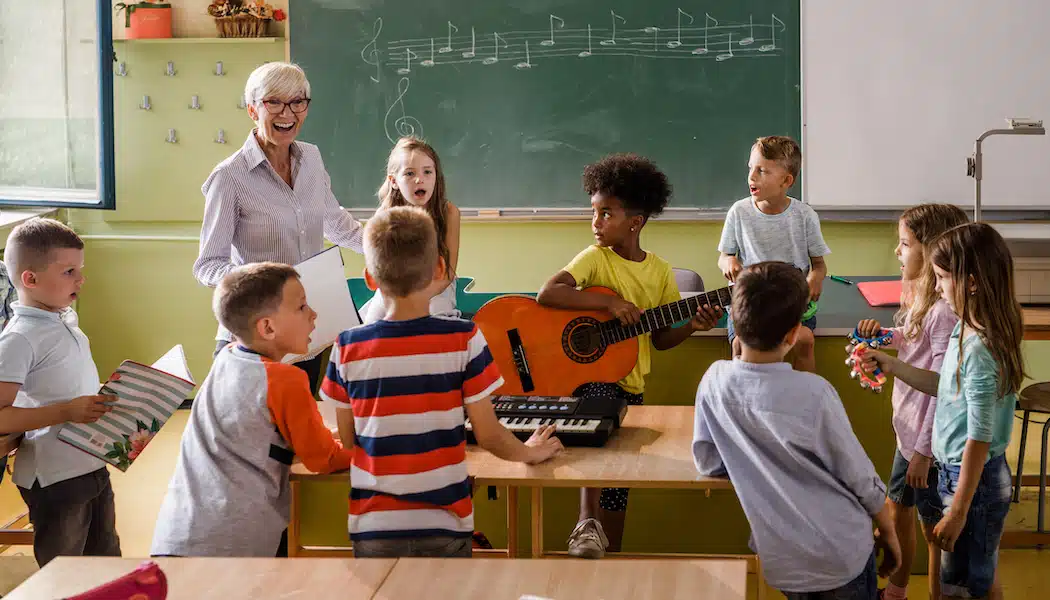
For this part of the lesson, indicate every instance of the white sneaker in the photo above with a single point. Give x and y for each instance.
(588, 540)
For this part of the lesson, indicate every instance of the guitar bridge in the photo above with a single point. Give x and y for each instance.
(521, 361)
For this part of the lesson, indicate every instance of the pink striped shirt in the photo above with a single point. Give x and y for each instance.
(912, 410)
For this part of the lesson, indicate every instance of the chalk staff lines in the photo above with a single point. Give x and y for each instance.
(691, 37)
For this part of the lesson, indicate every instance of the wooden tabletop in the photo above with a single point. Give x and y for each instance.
(223, 578)
(502, 579)
(652, 449)
(390, 579)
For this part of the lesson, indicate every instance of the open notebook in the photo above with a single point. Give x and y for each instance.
(144, 399)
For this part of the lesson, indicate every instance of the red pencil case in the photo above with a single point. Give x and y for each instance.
(147, 582)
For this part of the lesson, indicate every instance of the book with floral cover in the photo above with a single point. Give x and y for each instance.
(144, 399)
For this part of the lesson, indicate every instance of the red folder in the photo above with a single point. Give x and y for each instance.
(881, 293)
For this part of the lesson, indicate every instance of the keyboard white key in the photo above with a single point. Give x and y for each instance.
(528, 425)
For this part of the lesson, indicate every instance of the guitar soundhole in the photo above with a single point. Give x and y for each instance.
(581, 340)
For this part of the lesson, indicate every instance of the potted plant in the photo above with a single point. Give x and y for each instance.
(243, 18)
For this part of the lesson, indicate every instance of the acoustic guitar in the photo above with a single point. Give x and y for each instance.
(542, 351)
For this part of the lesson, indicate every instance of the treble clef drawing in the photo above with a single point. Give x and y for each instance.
(405, 124)
(370, 53)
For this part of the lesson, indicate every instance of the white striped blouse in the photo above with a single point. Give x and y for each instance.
(252, 215)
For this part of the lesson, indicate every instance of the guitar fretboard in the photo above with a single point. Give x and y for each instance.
(665, 315)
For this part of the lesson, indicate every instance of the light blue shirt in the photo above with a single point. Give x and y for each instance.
(792, 236)
(969, 405)
(804, 481)
(49, 356)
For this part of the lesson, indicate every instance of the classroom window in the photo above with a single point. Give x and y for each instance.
(56, 103)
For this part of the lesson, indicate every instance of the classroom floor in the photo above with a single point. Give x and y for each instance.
(140, 491)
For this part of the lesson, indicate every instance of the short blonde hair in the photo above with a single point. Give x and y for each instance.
(30, 245)
(401, 249)
(249, 293)
(278, 79)
(782, 149)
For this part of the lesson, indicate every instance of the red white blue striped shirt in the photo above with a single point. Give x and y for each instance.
(407, 383)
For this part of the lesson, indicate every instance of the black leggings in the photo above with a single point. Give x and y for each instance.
(611, 499)
(312, 366)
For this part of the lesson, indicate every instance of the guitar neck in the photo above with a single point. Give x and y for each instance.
(665, 315)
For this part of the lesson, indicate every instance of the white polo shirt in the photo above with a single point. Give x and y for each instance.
(49, 356)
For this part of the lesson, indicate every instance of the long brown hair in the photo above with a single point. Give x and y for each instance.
(390, 196)
(976, 251)
(926, 222)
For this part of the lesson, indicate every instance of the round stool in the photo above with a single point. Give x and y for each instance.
(1034, 398)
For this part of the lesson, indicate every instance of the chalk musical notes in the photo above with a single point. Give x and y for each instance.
(448, 45)
(612, 41)
(707, 19)
(429, 62)
(404, 125)
(750, 39)
(473, 45)
(561, 23)
(773, 32)
(527, 64)
(678, 42)
(587, 52)
(656, 36)
(496, 39)
(726, 55)
(409, 55)
(370, 53)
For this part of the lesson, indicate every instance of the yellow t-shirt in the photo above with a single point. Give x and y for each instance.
(645, 284)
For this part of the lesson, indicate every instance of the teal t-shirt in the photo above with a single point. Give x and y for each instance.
(970, 406)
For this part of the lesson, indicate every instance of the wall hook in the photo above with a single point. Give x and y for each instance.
(122, 69)
(171, 69)
(218, 69)
(241, 104)
(171, 137)
(221, 139)
(145, 103)
(195, 102)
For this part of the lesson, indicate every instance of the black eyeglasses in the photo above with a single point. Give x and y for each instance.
(276, 107)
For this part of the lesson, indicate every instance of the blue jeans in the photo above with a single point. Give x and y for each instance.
(969, 571)
(925, 501)
(863, 587)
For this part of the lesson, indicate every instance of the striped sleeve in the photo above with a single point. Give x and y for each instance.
(219, 225)
(333, 387)
(339, 227)
(481, 376)
(295, 414)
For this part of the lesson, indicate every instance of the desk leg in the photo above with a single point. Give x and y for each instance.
(512, 522)
(294, 544)
(537, 522)
(761, 578)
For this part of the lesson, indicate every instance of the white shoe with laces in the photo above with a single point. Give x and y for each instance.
(588, 540)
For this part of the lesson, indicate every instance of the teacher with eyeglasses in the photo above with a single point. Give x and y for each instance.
(271, 200)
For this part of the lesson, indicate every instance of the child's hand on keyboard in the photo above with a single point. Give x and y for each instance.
(543, 445)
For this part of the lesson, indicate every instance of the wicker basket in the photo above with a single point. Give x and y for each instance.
(241, 26)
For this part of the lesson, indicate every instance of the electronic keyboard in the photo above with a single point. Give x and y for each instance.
(578, 421)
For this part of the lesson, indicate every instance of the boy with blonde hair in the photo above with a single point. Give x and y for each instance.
(771, 226)
(48, 378)
(230, 494)
(400, 387)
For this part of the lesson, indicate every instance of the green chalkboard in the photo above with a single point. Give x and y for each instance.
(517, 131)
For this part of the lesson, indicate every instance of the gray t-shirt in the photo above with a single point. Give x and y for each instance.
(792, 236)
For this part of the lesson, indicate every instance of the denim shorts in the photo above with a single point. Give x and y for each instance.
(438, 546)
(969, 571)
(811, 323)
(925, 501)
(863, 587)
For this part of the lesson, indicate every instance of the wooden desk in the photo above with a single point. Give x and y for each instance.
(651, 450)
(224, 578)
(396, 579)
(562, 579)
